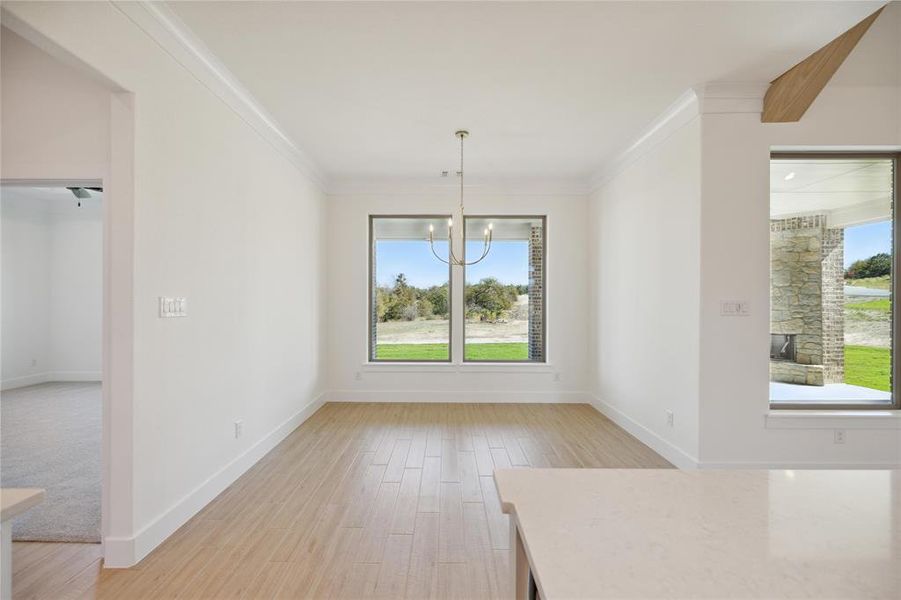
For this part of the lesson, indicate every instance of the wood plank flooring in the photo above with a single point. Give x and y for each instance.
(361, 501)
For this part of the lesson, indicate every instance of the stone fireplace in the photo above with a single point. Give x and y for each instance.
(807, 301)
(782, 346)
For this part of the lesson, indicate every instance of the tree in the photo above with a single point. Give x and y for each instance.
(875, 266)
(401, 298)
(489, 299)
(382, 299)
(437, 297)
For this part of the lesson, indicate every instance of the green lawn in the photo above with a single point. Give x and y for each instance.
(868, 367)
(878, 305)
(411, 352)
(505, 351)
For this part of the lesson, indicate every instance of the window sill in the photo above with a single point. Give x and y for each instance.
(479, 367)
(833, 419)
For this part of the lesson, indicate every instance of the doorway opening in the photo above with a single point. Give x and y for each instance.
(52, 340)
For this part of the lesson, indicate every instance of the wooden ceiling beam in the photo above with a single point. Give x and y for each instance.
(791, 94)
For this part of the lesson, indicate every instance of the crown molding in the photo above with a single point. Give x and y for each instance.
(731, 97)
(678, 114)
(172, 35)
(450, 187)
(720, 97)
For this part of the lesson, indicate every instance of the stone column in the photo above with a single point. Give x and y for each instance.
(807, 298)
(536, 294)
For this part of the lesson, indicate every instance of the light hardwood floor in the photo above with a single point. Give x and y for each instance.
(362, 500)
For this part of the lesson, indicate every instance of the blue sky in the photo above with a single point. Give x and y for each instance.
(863, 241)
(508, 261)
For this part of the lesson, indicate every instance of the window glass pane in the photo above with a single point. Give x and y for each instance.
(831, 240)
(410, 303)
(504, 295)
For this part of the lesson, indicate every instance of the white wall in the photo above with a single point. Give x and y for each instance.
(55, 116)
(860, 107)
(52, 284)
(222, 218)
(26, 295)
(645, 271)
(76, 289)
(695, 189)
(567, 306)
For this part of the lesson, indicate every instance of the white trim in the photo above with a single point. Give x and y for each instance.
(123, 552)
(663, 447)
(49, 377)
(460, 397)
(470, 367)
(450, 187)
(52, 183)
(798, 465)
(677, 115)
(710, 98)
(833, 419)
(731, 97)
(172, 35)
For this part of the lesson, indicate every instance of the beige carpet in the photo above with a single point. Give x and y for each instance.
(51, 439)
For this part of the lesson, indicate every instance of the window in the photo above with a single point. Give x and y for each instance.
(409, 299)
(504, 293)
(833, 321)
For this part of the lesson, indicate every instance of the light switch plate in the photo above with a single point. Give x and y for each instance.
(734, 308)
(173, 307)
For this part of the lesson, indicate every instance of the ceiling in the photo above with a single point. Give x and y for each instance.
(48, 201)
(376, 90)
(850, 189)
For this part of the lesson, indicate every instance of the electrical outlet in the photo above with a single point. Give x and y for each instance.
(669, 417)
(557, 376)
(838, 436)
(239, 429)
(358, 376)
(34, 362)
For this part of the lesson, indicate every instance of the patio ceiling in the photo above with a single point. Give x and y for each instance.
(849, 191)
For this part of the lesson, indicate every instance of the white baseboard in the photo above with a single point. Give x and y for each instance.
(122, 552)
(664, 448)
(458, 397)
(49, 377)
(798, 466)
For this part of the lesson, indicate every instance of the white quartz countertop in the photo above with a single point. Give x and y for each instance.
(14, 501)
(655, 533)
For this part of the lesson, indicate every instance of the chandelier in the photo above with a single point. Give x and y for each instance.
(486, 240)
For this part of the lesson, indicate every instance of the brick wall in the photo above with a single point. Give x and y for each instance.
(373, 312)
(833, 294)
(536, 294)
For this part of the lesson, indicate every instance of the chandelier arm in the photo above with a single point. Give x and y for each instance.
(485, 249)
(453, 257)
(450, 247)
(432, 247)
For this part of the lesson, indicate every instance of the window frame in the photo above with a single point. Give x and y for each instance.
(370, 271)
(895, 368)
(544, 345)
